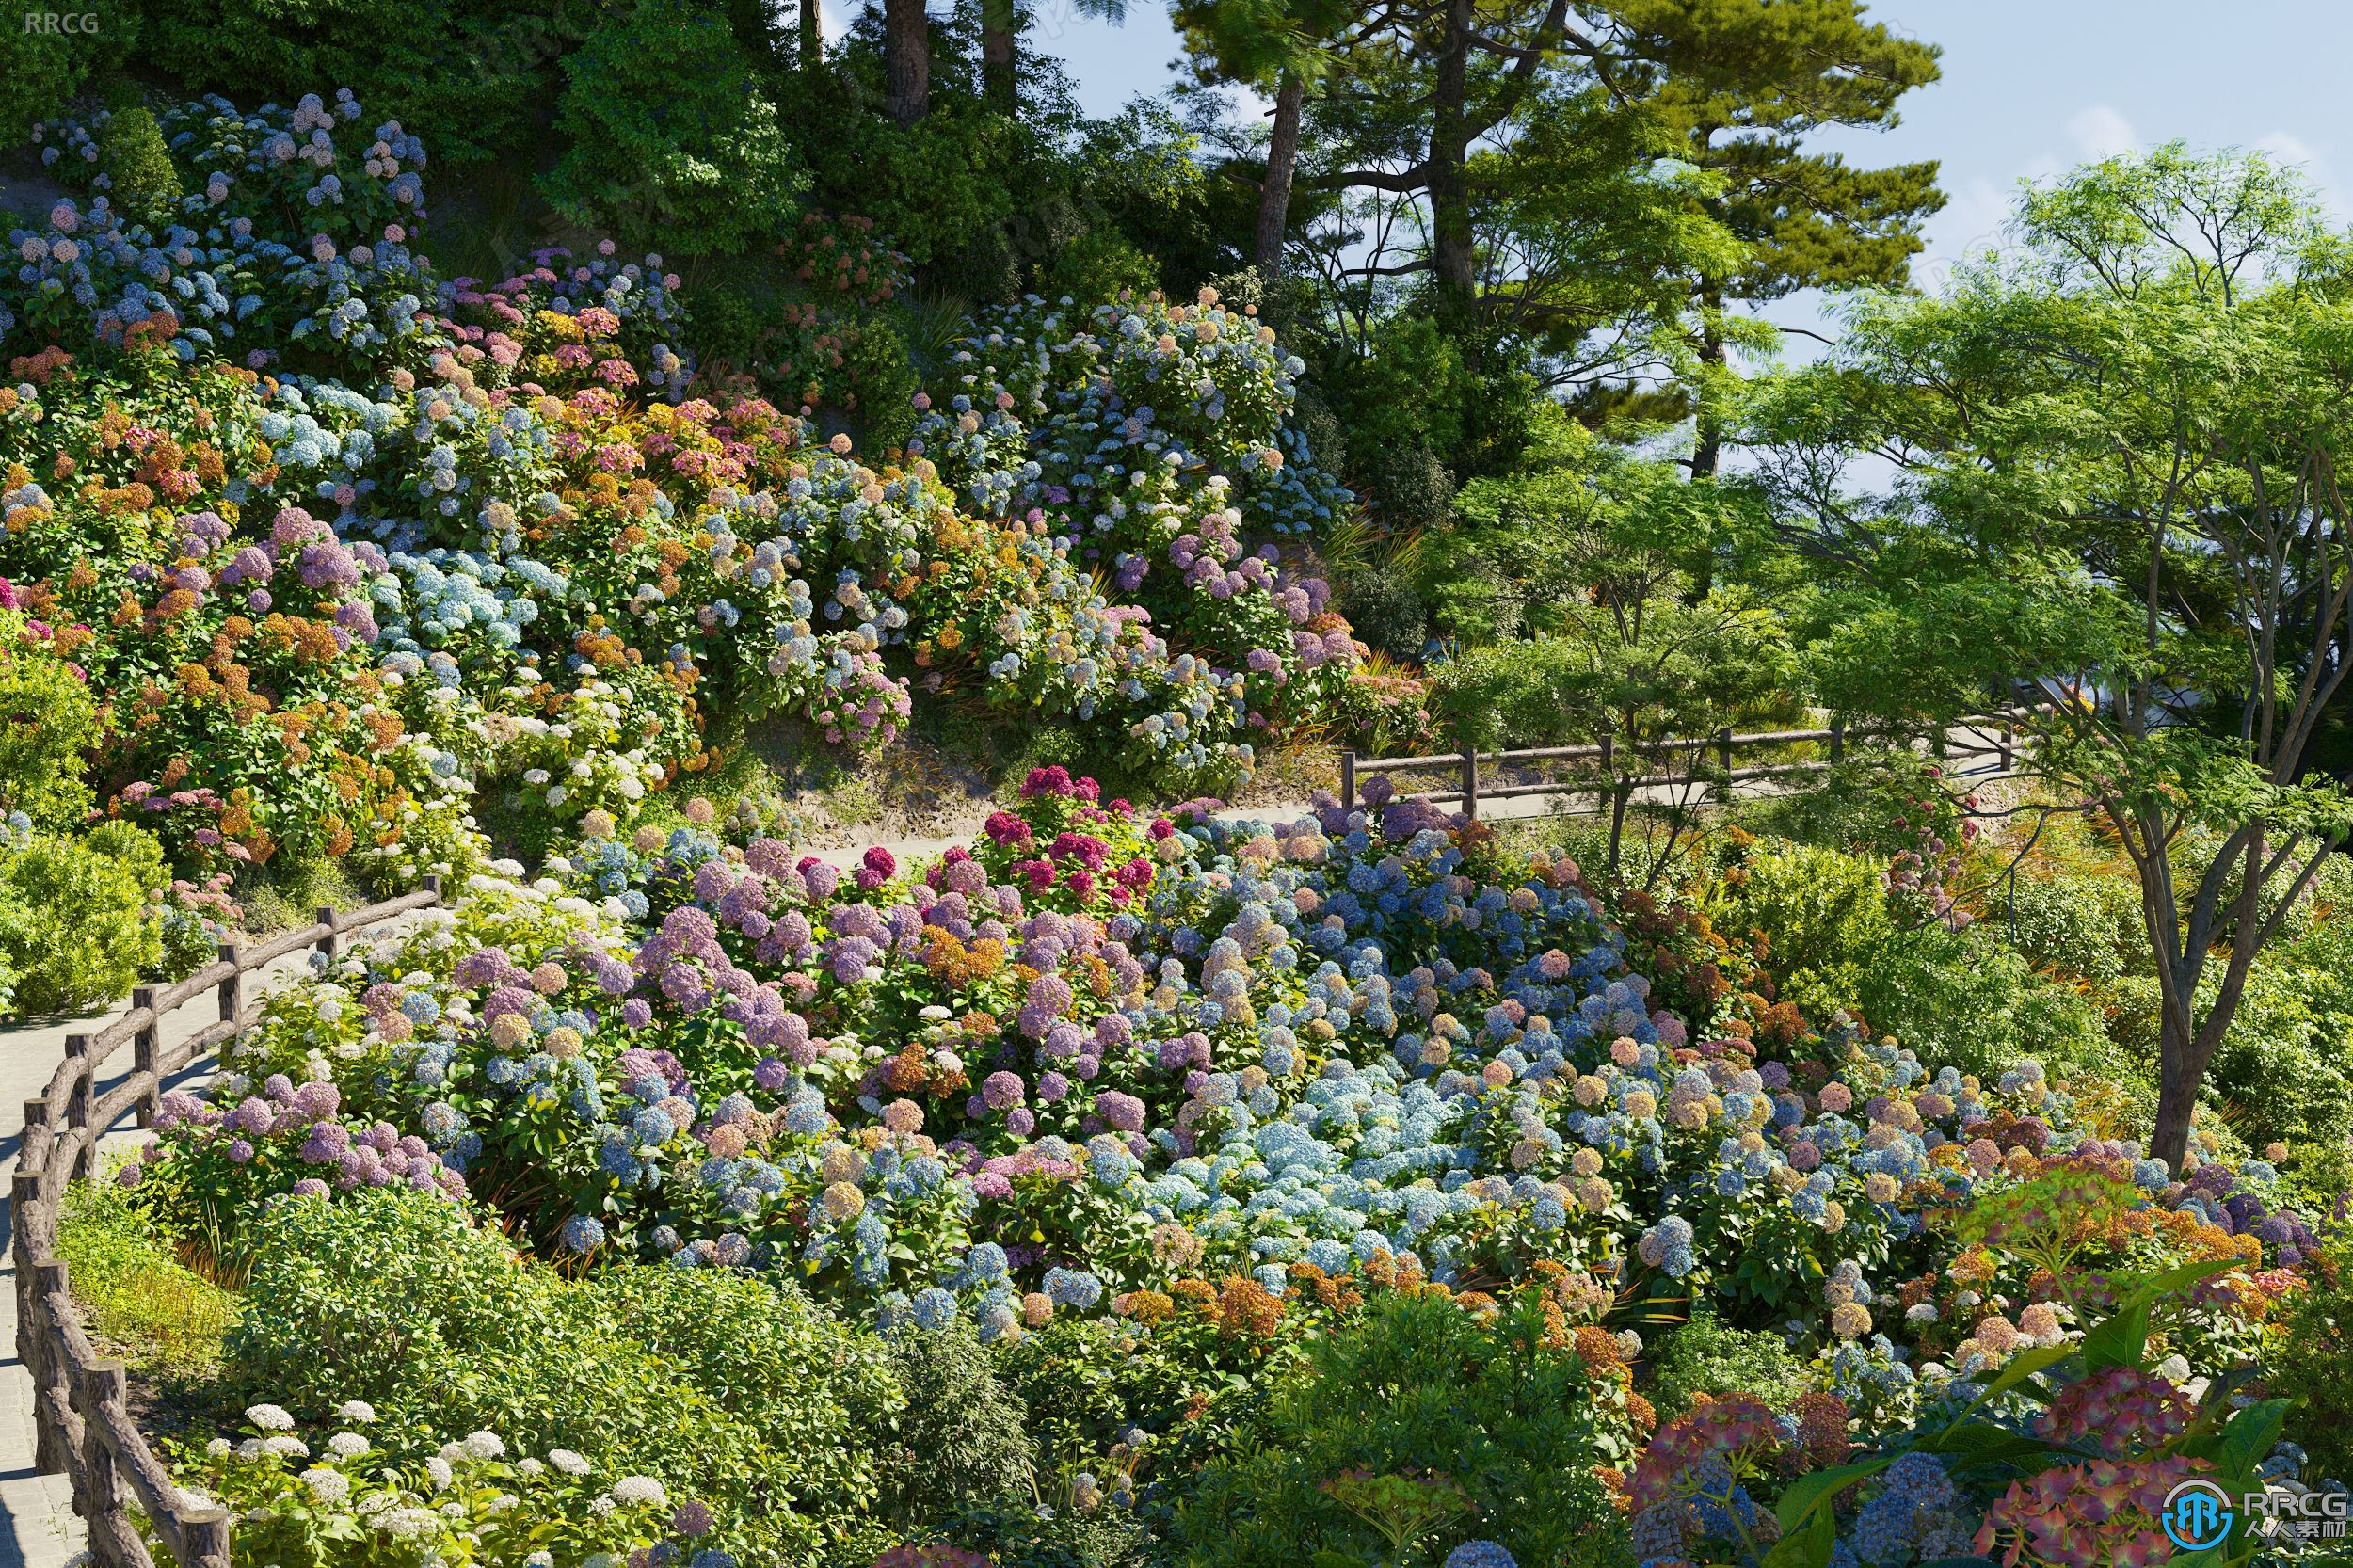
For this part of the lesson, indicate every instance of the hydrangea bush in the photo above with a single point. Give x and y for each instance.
(380, 562)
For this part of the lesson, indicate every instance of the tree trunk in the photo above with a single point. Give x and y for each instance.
(1452, 253)
(1707, 447)
(906, 60)
(812, 35)
(2178, 1072)
(997, 23)
(1282, 159)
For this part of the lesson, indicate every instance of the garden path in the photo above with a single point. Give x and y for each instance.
(38, 1527)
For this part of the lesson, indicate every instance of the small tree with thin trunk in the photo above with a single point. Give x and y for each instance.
(1278, 46)
(2118, 476)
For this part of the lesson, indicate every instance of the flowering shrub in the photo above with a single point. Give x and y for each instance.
(1123, 1049)
(330, 1499)
(1167, 1099)
(375, 562)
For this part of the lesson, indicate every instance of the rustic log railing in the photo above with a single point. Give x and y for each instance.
(83, 1427)
(1602, 779)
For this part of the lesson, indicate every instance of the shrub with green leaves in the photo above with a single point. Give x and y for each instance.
(74, 923)
(2083, 926)
(669, 136)
(960, 1441)
(131, 145)
(1417, 1384)
(151, 1308)
(727, 1388)
(51, 721)
(1836, 939)
(1706, 1356)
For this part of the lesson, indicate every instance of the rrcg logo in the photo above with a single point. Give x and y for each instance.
(61, 22)
(2197, 1515)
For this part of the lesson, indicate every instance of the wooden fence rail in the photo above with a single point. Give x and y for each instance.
(83, 1427)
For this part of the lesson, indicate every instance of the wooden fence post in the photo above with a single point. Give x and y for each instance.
(1723, 757)
(328, 918)
(144, 1050)
(32, 1344)
(204, 1538)
(1838, 739)
(233, 988)
(49, 1455)
(77, 1100)
(102, 1389)
(36, 1129)
(1348, 779)
(433, 885)
(1470, 782)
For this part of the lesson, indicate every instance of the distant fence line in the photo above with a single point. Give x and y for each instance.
(1603, 781)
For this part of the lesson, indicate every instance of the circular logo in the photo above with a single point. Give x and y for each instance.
(2197, 1515)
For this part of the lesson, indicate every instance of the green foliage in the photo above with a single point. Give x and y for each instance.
(2167, 314)
(1837, 940)
(2086, 926)
(52, 723)
(162, 1316)
(1386, 612)
(732, 1391)
(75, 929)
(669, 137)
(883, 383)
(475, 78)
(1418, 1383)
(38, 73)
(959, 1442)
(132, 148)
(2284, 1069)
(1672, 670)
(1705, 1356)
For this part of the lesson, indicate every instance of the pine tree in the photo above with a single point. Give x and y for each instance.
(1741, 85)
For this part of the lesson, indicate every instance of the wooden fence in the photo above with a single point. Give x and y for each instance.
(83, 1427)
(1601, 779)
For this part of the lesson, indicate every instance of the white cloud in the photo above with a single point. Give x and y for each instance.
(2099, 131)
(1971, 222)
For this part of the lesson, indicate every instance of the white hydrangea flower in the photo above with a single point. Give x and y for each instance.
(285, 1446)
(269, 1417)
(437, 1469)
(485, 1445)
(639, 1491)
(331, 1487)
(568, 1462)
(409, 1523)
(348, 1444)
